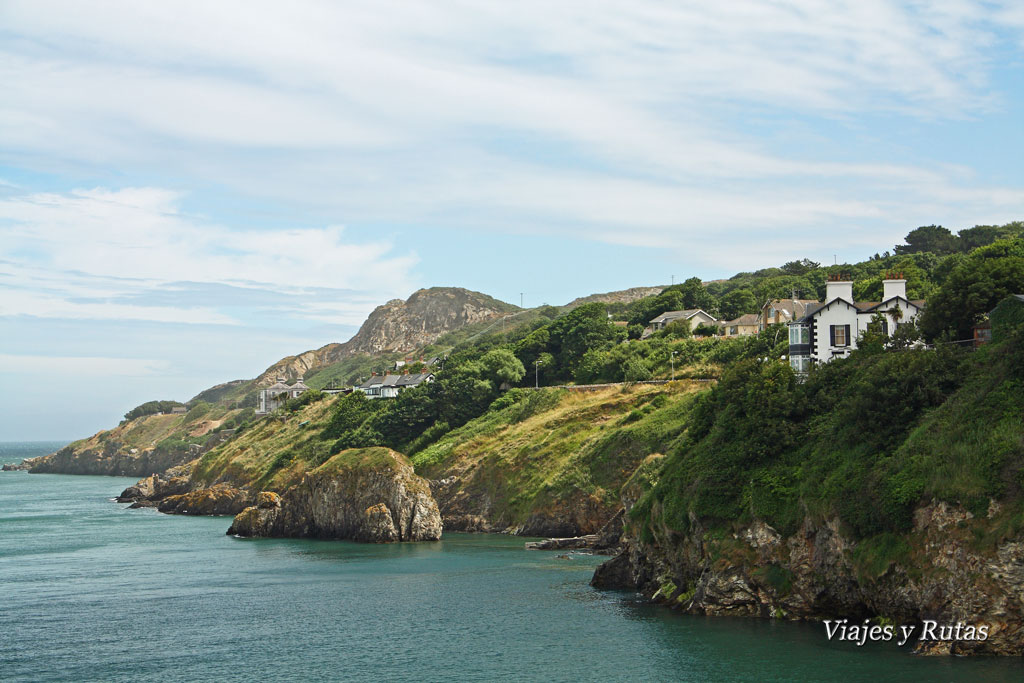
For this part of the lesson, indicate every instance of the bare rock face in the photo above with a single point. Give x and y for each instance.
(368, 494)
(398, 326)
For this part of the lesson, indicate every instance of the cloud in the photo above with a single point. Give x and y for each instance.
(125, 254)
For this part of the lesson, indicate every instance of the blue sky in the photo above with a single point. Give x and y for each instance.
(190, 191)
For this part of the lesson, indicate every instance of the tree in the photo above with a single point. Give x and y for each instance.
(501, 366)
(696, 296)
(973, 288)
(933, 238)
(800, 267)
(736, 303)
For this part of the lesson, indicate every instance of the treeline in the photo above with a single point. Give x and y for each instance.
(927, 260)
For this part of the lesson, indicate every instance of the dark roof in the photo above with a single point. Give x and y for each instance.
(867, 306)
(414, 379)
(815, 310)
(794, 307)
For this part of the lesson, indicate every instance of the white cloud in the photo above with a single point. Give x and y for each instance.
(80, 255)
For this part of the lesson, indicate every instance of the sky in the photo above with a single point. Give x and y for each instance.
(190, 191)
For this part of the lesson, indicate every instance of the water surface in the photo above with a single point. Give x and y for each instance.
(93, 591)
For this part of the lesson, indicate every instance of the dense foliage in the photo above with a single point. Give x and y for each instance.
(866, 439)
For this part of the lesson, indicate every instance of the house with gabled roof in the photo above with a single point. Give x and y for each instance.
(696, 317)
(743, 325)
(830, 328)
(389, 386)
(274, 396)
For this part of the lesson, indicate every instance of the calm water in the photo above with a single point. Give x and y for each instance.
(90, 590)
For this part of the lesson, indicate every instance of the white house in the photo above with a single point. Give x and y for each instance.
(831, 328)
(274, 396)
(389, 386)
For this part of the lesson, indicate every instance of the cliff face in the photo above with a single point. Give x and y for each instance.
(370, 495)
(398, 327)
(937, 573)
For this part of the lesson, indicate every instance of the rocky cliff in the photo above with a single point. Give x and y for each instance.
(398, 327)
(938, 572)
(370, 495)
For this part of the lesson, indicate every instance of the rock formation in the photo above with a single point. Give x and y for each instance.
(817, 573)
(369, 495)
(399, 327)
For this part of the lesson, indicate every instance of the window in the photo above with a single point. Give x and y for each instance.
(733, 329)
(840, 335)
(799, 334)
(800, 364)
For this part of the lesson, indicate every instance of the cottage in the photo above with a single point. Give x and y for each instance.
(274, 396)
(695, 315)
(389, 386)
(830, 329)
(743, 325)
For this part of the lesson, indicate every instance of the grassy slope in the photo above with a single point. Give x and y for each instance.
(557, 446)
(541, 451)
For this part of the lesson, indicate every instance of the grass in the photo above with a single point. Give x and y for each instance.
(556, 447)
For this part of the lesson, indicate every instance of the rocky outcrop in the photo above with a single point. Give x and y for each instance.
(939, 572)
(397, 327)
(370, 495)
(15, 466)
(467, 504)
(112, 458)
(220, 499)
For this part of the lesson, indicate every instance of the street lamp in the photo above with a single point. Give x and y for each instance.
(672, 359)
(536, 377)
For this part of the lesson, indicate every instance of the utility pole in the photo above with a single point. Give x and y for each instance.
(536, 377)
(520, 299)
(672, 359)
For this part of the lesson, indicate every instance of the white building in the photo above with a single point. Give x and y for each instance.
(695, 315)
(389, 386)
(274, 396)
(830, 329)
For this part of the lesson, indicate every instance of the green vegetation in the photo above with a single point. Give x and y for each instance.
(866, 439)
(546, 451)
(152, 408)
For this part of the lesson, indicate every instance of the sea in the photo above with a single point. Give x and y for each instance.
(93, 591)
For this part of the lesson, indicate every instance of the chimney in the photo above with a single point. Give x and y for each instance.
(839, 287)
(894, 285)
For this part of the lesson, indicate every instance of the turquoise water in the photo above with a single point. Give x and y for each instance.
(90, 590)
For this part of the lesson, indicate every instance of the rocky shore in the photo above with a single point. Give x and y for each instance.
(819, 573)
